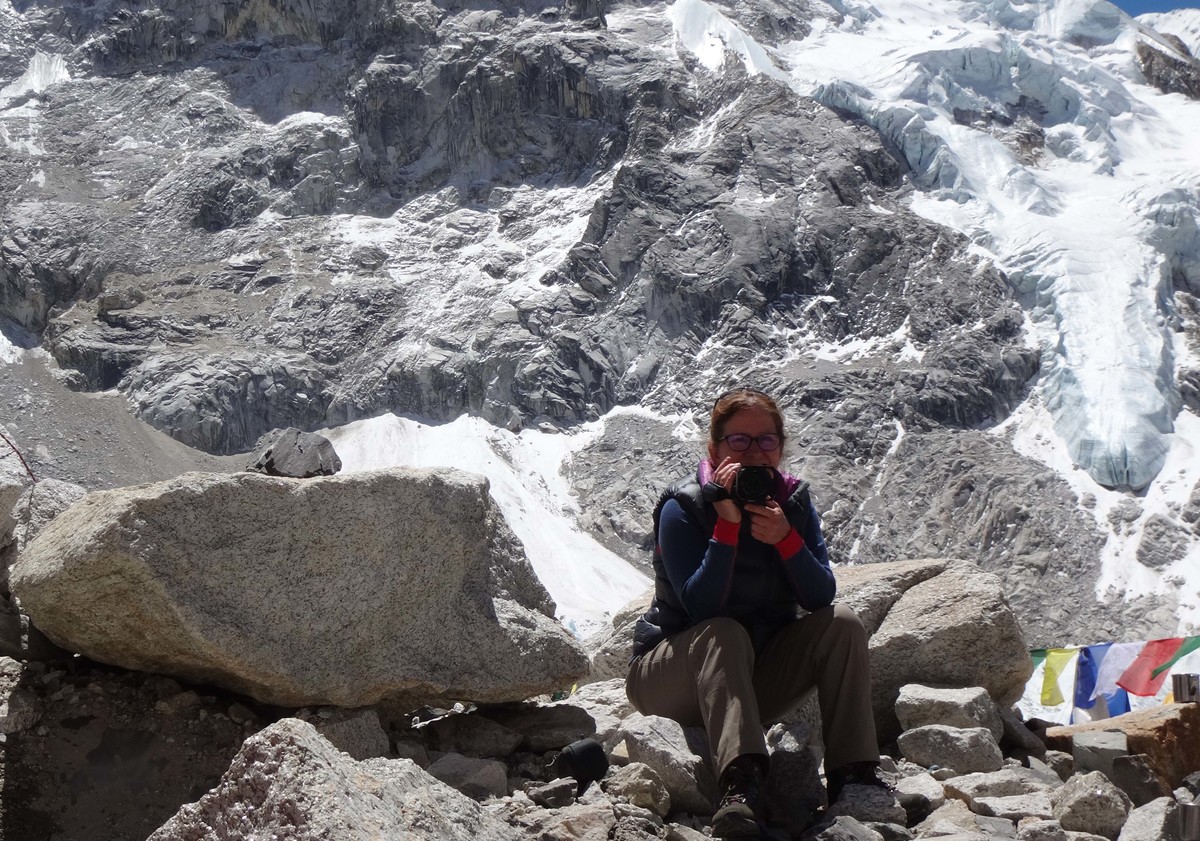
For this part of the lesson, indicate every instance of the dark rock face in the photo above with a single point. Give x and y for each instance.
(528, 212)
(459, 123)
(1168, 73)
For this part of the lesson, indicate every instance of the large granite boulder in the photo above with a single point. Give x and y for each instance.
(955, 629)
(288, 781)
(401, 586)
(38, 505)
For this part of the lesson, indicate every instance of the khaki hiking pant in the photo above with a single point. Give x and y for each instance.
(709, 676)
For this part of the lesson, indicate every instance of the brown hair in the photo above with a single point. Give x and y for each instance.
(732, 402)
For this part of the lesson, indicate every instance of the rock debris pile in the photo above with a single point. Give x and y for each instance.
(208, 706)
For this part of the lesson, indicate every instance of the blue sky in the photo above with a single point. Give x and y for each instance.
(1140, 7)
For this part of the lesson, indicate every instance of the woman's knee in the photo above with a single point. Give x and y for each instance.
(841, 622)
(722, 634)
(848, 619)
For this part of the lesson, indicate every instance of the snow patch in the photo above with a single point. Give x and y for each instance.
(43, 71)
(1124, 517)
(707, 33)
(587, 582)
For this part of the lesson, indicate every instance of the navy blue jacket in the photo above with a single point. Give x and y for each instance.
(697, 577)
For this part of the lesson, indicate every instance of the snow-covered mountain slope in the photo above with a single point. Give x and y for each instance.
(1182, 23)
(1030, 128)
(958, 240)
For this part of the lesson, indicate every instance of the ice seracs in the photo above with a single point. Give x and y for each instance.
(1017, 121)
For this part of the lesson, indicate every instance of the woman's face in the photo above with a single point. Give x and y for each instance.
(754, 422)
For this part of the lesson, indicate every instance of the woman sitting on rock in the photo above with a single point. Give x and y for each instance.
(737, 551)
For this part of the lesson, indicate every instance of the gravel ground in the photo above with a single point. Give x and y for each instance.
(88, 438)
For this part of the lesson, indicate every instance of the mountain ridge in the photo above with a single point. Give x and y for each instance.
(536, 214)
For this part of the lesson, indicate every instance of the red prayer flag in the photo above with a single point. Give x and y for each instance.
(1139, 678)
(1190, 644)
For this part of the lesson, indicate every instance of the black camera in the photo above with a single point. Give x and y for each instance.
(754, 484)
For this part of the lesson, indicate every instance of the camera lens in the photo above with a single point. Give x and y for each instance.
(754, 484)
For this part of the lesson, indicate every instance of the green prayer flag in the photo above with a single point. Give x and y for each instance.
(1189, 645)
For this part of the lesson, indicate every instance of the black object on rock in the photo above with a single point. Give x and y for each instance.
(296, 454)
(585, 761)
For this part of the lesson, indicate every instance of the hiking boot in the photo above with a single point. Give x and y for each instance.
(854, 774)
(741, 805)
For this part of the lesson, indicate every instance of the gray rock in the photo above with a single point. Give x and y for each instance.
(1062, 763)
(639, 784)
(793, 791)
(871, 590)
(288, 779)
(545, 727)
(295, 453)
(554, 794)
(1017, 735)
(891, 831)
(1136, 776)
(1047, 830)
(404, 747)
(1015, 807)
(471, 734)
(476, 778)
(1162, 542)
(679, 755)
(224, 402)
(1158, 820)
(1179, 73)
(951, 818)
(965, 749)
(355, 732)
(607, 704)
(1095, 750)
(263, 545)
(845, 828)
(1090, 803)
(924, 785)
(1006, 782)
(40, 504)
(924, 634)
(868, 804)
(610, 652)
(578, 822)
(970, 707)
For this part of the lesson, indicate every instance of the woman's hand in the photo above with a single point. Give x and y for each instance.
(768, 523)
(724, 475)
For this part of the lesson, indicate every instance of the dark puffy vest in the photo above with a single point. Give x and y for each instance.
(775, 605)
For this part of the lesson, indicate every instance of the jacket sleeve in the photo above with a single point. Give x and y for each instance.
(700, 569)
(807, 570)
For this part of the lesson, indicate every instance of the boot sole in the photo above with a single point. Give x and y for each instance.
(735, 826)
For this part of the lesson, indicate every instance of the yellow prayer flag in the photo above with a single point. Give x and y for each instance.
(1058, 662)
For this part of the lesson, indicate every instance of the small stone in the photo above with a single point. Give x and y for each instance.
(637, 783)
(1061, 763)
(1040, 830)
(554, 794)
